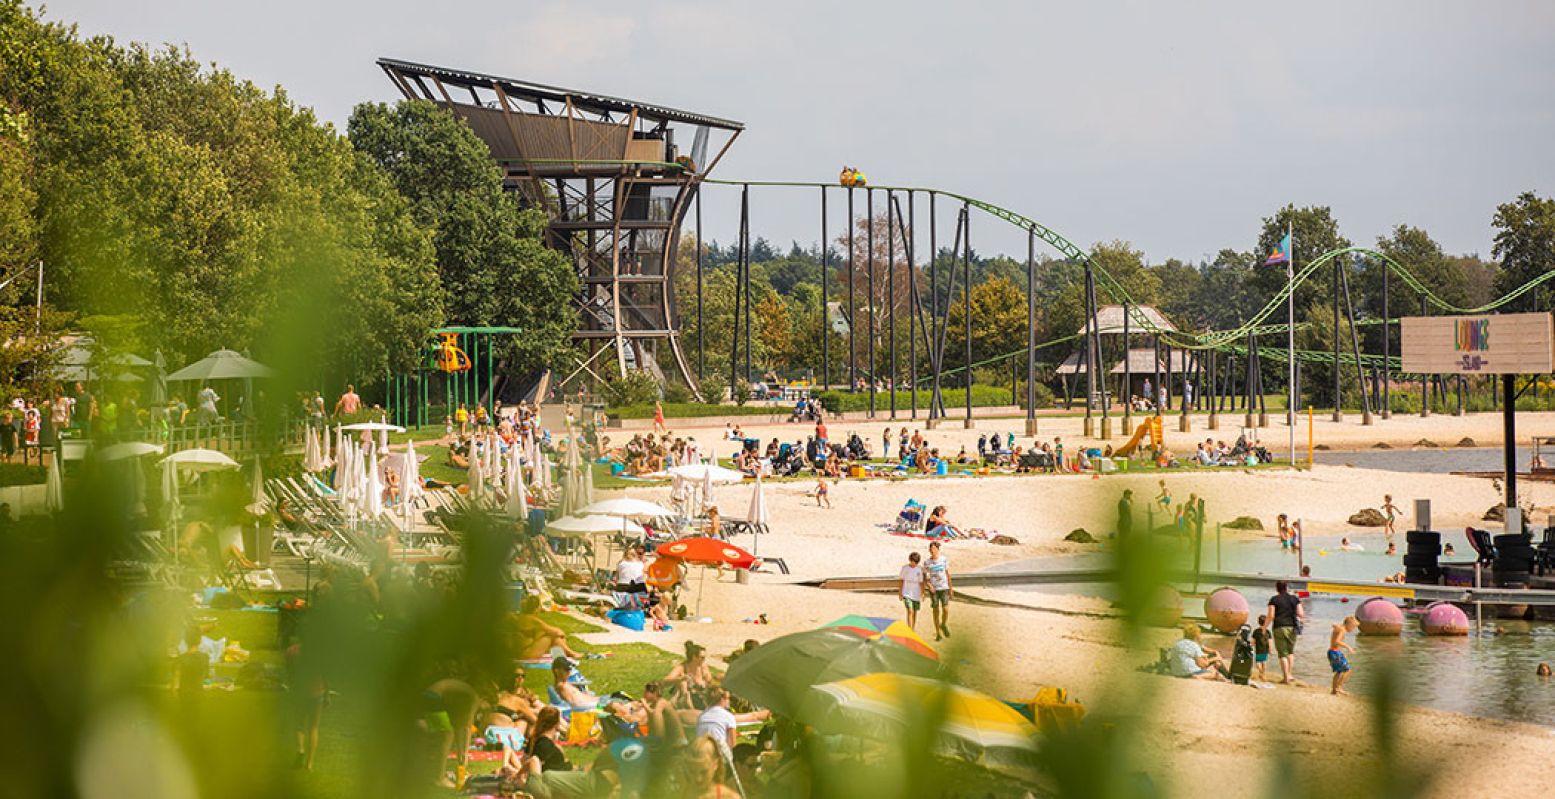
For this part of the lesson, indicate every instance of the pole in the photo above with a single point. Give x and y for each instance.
(1128, 376)
(1355, 342)
(701, 348)
(1290, 340)
(1387, 333)
(966, 301)
(1509, 439)
(912, 310)
(890, 302)
(1425, 379)
(852, 305)
(38, 329)
(934, 352)
(825, 304)
(745, 235)
(869, 272)
(1031, 331)
(1338, 386)
(1309, 437)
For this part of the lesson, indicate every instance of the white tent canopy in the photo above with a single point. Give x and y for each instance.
(200, 460)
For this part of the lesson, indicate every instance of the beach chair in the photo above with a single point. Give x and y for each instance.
(911, 520)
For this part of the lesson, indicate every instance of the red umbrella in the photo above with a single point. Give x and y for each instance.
(708, 551)
(704, 551)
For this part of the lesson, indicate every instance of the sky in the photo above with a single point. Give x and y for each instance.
(1174, 126)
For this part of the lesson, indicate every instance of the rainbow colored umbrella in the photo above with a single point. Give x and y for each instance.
(881, 627)
(969, 726)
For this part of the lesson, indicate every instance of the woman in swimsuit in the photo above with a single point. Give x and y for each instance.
(689, 678)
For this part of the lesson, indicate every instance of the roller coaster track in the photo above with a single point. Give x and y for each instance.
(1222, 340)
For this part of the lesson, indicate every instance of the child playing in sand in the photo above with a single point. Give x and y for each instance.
(1336, 649)
(1164, 498)
(822, 496)
(1390, 510)
(1261, 639)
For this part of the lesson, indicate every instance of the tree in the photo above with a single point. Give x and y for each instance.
(1314, 232)
(998, 322)
(1120, 261)
(1525, 245)
(493, 266)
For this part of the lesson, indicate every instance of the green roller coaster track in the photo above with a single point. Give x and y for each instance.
(1219, 340)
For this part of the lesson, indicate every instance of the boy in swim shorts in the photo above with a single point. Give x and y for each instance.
(1336, 649)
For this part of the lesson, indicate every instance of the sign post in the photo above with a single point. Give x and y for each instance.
(1503, 344)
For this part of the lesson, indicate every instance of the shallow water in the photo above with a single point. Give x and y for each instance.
(1428, 461)
(1482, 675)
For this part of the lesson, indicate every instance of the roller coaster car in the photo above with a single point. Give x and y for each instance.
(686, 163)
(851, 177)
(448, 357)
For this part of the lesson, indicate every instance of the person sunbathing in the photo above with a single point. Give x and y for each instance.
(689, 678)
(577, 698)
(939, 525)
(531, 637)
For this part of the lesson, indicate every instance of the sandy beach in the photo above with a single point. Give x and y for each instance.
(1198, 732)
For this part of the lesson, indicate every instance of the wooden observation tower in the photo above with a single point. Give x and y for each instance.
(614, 183)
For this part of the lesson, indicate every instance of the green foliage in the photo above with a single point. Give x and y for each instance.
(636, 387)
(493, 265)
(21, 474)
(982, 397)
(1525, 243)
(1314, 231)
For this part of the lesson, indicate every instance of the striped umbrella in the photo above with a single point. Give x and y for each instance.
(969, 726)
(879, 627)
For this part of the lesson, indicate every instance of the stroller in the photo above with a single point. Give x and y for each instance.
(910, 521)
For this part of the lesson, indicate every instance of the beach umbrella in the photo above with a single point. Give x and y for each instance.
(706, 552)
(757, 515)
(128, 449)
(258, 502)
(54, 486)
(410, 481)
(475, 478)
(627, 507)
(968, 726)
(518, 496)
(586, 497)
(342, 457)
(329, 457)
(880, 627)
(158, 379)
(703, 471)
(780, 673)
(201, 460)
(372, 496)
(590, 525)
(222, 365)
(312, 459)
(707, 490)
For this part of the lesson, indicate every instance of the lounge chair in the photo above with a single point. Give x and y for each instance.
(911, 520)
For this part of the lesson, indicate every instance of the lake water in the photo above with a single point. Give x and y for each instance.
(1482, 674)
(1431, 461)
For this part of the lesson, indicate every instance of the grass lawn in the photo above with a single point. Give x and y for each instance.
(344, 731)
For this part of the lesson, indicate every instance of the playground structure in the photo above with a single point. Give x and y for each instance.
(616, 187)
(458, 363)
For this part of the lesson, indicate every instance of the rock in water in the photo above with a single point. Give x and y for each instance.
(1466, 442)
(1244, 523)
(1080, 536)
(1368, 517)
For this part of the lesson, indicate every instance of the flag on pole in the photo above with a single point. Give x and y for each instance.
(1281, 254)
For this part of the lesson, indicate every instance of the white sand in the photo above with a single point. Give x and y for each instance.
(1204, 734)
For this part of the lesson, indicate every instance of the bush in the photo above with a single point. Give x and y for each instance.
(676, 394)
(634, 388)
(982, 397)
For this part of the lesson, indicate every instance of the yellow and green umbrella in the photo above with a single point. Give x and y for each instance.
(968, 726)
(780, 673)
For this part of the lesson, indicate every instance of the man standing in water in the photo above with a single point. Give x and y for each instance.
(1285, 614)
(1126, 513)
(937, 570)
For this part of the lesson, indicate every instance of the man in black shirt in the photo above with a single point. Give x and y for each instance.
(1285, 614)
(1126, 513)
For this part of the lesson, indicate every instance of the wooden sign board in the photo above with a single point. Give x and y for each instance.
(1522, 343)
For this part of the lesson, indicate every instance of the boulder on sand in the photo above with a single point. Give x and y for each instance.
(1466, 442)
(1426, 442)
(1382, 445)
(1368, 517)
(1244, 523)
(1497, 513)
(1079, 536)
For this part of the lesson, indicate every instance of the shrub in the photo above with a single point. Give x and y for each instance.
(636, 387)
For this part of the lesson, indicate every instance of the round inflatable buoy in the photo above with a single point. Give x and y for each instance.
(1226, 610)
(1378, 616)
(663, 573)
(1445, 618)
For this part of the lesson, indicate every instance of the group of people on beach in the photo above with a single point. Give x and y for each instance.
(1276, 633)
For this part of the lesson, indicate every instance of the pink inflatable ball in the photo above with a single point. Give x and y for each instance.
(1380, 617)
(1226, 610)
(1165, 609)
(1444, 618)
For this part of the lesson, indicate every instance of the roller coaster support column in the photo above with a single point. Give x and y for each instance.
(1387, 326)
(701, 238)
(912, 305)
(1425, 380)
(1338, 385)
(890, 301)
(1128, 378)
(852, 305)
(1090, 354)
(1031, 331)
(1247, 379)
(966, 306)
(1214, 388)
(1184, 423)
(825, 300)
(869, 294)
(1101, 379)
(1355, 342)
